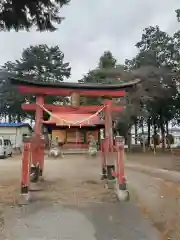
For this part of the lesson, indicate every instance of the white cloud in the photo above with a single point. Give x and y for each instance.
(91, 27)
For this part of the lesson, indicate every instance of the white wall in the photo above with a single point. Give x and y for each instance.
(15, 134)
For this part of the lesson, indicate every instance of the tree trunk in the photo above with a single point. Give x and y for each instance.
(167, 128)
(155, 134)
(14, 119)
(162, 133)
(5, 117)
(9, 117)
(149, 131)
(129, 142)
(135, 129)
(142, 126)
(18, 118)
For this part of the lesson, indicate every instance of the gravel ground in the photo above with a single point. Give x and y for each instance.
(74, 201)
(164, 160)
(159, 201)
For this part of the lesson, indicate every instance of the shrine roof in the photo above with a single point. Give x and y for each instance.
(75, 86)
(72, 118)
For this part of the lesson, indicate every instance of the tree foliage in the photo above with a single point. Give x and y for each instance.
(99, 75)
(42, 63)
(155, 101)
(178, 14)
(25, 14)
(107, 60)
(38, 63)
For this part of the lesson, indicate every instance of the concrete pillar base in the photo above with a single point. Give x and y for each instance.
(110, 184)
(24, 199)
(35, 186)
(35, 173)
(122, 195)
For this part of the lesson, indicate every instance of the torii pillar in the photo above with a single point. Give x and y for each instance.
(108, 123)
(37, 166)
(109, 162)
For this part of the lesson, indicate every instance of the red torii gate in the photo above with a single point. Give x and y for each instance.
(40, 90)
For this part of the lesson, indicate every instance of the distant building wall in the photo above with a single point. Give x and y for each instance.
(15, 134)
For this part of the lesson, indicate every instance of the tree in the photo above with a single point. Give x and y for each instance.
(42, 63)
(158, 58)
(109, 72)
(106, 61)
(178, 14)
(38, 63)
(10, 99)
(159, 46)
(43, 14)
(154, 64)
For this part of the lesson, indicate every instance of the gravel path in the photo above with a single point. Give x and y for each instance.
(159, 199)
(74, 205)
(104, 221)
(167, 175)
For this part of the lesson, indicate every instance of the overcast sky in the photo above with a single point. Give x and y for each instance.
(94, 26)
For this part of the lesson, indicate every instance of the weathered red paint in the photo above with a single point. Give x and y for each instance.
(25, 175)
(67, 92)
(37, 152)
(39, 115)
(120, 162)
(69, 109)
(108, 123)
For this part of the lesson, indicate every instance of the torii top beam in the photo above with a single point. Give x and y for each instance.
(67, 88)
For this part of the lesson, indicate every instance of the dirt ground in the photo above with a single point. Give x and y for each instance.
(75, 180)
(159, 195)
(164, 160)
